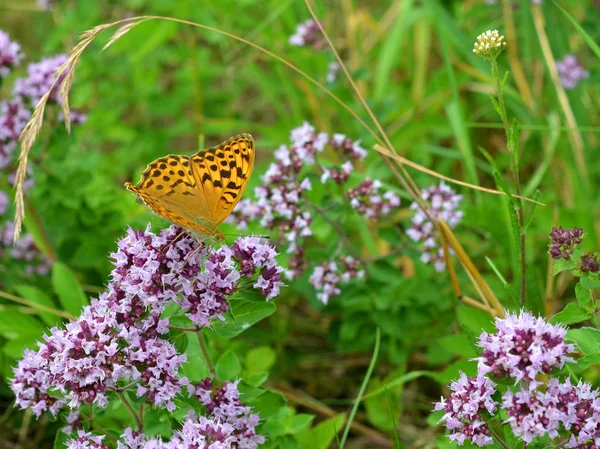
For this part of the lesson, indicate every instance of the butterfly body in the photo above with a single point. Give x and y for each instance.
(198, 192)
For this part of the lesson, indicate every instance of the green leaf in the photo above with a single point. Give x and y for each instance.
(586, 338)
(474, 321)
(34, 294)
(68, 289)
(590, 282)
(60, 440)
(14, 348)
(257, 379)
(322, 435)
(301, 421)
(242, 315)
(571, 314)
(15, 324)
(260, 359)
(584, 296)
(560, 265)
(587, 361)
(228, 366)
(195, 368)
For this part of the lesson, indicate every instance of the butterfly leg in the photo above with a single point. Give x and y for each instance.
(174, 240)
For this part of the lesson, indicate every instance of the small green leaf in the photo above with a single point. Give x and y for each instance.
(243, 314)
(228, 366)
(195, 368)
(590, 282)
(68, 289)
(34, 294)
(571, 314)
(60, 440)
(260, 359)
(15, 324)
(474, 321)
(563, 264)
(583, 295)
(586, 338)
(257, 379)
(322, 435)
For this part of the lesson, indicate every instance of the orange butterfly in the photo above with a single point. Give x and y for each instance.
(198, 192)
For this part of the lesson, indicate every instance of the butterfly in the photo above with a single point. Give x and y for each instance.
(198, 192)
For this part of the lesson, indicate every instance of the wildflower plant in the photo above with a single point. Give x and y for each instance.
(120, 349)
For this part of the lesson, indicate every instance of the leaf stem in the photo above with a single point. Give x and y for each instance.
(128, 406)
(204, 348)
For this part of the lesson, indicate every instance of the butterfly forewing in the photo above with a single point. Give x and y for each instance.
(223, 173)
(200, 191)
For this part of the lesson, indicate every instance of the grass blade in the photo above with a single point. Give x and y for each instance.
(363, 387)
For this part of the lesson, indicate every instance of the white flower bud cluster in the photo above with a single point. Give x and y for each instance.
(489, 44)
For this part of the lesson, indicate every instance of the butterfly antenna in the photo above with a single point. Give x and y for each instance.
(242, 235)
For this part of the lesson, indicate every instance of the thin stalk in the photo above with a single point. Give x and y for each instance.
(515, 172)
(499, 440)
(204, 348)
(129, 407)
(363, 387)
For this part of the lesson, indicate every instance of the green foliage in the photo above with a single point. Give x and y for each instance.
(164, 87)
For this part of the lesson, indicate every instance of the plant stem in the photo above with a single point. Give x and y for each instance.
(126, 403)
(499, 440)
(515, 172)
(204, 348)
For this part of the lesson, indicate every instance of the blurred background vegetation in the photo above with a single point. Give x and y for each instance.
(165, 88)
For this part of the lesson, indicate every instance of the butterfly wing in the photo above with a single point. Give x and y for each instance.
(168, 187)
(200, 191)
(222, 173)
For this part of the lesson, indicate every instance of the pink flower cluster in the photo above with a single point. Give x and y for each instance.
(523, 348)
(308, 34)
(465, 409)
(327, 277)
(120, 339)
(570, 71)
(564, 241)
(444, 204)
(10, 54)
(283, 202)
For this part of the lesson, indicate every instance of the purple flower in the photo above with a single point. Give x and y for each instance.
(40, 77)
(255, 256)
(23, 249)
(570, 71)
(523, 347)
(589, 263)
(532, 413)
(223, 405)
(327, 277)
(367, 200)
(4, 201)
(444, 203)
(86, 440)
(13, 118)
(308, 34)
(32, 384)
(10, 54)
(564, 241)
(465, 409)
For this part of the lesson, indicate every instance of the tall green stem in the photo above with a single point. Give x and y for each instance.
(514, 158)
